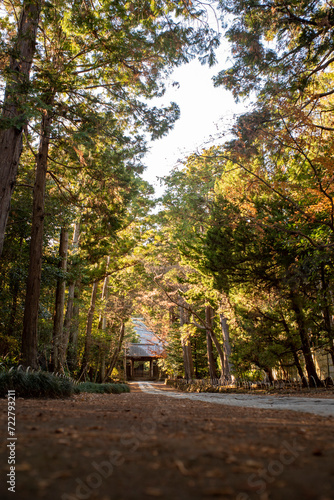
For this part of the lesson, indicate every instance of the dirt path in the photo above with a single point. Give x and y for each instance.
(142, 446)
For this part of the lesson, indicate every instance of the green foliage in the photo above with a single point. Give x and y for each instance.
(276, 47)
(96, 67)
(35, 385)
(173, 364)
(246, 228)
(113, 388)
(47, 385)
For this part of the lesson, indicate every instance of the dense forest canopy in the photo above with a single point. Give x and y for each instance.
(234, 266)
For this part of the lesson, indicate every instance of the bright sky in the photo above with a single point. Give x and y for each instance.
(206, 112)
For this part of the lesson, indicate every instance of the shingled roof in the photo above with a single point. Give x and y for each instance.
(149, 346)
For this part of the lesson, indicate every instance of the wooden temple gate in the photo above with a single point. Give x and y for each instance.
(141, 357)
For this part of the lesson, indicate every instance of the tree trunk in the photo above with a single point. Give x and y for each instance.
(97, 364)
(58, 322)
(220, 354)
(195, 358)
(171, 315)
(89, 326)
(72, 353)
(104, 297)
(313, 378)
(209, 345)
(298, 365)
(294, 352)
(227, 348)
(11, 327)
(69, 313)
(218, 347)
(186, 348)
(116, 352)
(270, 375)
(13, 117)
(103, 325)
(327, 312)
(103, 364)
(70, 301)
(29, 336)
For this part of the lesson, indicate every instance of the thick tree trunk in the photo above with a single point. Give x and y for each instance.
(58, 322)
(313, 378)
(116, 352)
(227, 348)
(29, 336)
(89, 326)
(70, 301)
(186, 348)
(13, 117)
(209, 345)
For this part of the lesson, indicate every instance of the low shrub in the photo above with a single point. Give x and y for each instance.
(35, 385)
(47, 385)
(102, 388)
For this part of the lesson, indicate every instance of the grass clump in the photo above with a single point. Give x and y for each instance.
(113, 388)
(35, 385)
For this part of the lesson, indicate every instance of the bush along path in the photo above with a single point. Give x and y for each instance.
(147, 445)
(47, 385)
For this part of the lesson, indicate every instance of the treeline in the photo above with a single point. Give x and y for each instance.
(76, 80)
(235, 270)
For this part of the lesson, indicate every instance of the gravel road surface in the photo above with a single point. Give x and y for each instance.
(323, 407)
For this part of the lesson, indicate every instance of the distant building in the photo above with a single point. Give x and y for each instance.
(142, 356)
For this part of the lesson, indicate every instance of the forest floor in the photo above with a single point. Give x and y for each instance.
(148, 445)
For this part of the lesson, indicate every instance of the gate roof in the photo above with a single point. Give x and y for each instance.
(149, 346)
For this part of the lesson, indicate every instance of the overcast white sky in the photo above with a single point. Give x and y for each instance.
(206, 112)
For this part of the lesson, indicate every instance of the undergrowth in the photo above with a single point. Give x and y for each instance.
(35, 385)
(102, 388)
(47, 385)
